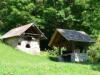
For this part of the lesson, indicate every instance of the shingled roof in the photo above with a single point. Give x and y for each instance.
(72, 35)
(20, 30)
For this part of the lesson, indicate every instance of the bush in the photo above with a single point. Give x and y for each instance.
(55, 51)
(94, 51)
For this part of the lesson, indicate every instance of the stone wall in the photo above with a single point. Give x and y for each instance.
(32, 48)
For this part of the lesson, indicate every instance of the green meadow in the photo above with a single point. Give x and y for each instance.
(14, 62)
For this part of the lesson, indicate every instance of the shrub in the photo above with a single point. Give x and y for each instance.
(55, 51)
(94, 51)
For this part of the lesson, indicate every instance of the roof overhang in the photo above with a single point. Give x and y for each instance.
(68, 35)
(20, 30)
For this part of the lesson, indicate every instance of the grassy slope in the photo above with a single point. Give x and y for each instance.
(14, 62)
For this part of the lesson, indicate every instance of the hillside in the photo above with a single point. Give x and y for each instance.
(14, 62)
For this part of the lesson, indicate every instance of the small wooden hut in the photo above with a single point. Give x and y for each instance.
(26, 38)
(75, 42)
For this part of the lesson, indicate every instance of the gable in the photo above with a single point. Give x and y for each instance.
(22, 29)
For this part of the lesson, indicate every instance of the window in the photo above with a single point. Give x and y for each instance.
(19, 43)
(27, 45)
(28, 38)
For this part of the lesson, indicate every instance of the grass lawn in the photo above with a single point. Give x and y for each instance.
(14, 62)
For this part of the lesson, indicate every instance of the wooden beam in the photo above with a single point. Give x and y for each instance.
(52, 38)
(59, 50)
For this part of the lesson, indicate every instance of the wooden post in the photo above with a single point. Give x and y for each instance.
(59, 50)
(73, 46)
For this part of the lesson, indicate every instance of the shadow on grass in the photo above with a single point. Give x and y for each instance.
(94, 66)
(55, 59)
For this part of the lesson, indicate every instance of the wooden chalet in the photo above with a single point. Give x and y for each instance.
(75, 43)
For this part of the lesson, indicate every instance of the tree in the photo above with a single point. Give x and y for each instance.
(51, 14)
